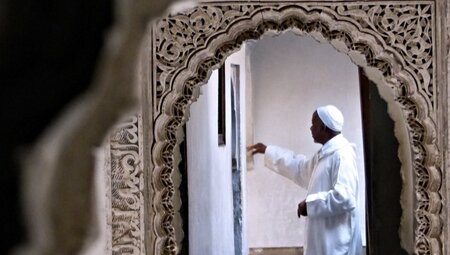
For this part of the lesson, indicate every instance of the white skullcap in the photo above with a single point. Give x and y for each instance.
(331, 117)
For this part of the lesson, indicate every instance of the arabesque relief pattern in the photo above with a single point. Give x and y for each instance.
(408, 30)
(127, 198)
(396, 39)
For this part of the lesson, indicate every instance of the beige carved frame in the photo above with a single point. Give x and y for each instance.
(398, 43)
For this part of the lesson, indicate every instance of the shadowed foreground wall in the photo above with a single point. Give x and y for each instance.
(48, 51)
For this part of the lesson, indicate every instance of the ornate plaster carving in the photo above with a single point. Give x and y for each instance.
(127, 198)
(397, 40)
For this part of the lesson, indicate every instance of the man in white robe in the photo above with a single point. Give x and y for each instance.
(331, 179)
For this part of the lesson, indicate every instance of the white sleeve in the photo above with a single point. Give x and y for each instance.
(342, 197)
(284, 162)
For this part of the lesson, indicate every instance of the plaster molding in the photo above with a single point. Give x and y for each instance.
(395, 42)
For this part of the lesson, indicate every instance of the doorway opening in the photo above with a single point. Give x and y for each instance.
(179, 86)
(288, 101)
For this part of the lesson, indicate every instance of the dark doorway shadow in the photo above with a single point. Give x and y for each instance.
(383, 178)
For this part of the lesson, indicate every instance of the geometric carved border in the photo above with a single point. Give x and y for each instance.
(397, 40)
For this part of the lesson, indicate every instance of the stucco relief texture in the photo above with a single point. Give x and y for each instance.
(380, 42)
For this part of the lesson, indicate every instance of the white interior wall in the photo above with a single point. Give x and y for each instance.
(291, 76)
(209, 178)
(209, 170)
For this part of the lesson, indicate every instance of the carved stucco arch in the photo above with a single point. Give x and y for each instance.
(396, 40)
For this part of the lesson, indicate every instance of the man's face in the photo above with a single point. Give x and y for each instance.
(316, 128)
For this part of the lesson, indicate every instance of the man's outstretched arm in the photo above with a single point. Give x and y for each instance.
(257, 148)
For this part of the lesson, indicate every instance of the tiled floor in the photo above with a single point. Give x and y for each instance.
(276, 251)
(280, 251)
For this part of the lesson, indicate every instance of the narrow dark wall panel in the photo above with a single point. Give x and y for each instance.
(383, 179)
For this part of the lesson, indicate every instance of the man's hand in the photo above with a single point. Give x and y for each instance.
(257, 148)
(301, 211)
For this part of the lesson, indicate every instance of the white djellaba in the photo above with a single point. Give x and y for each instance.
(331, 180)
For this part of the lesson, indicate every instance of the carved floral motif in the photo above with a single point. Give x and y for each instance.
(405, 28)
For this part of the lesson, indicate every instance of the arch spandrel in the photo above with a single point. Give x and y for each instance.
(397, 40)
